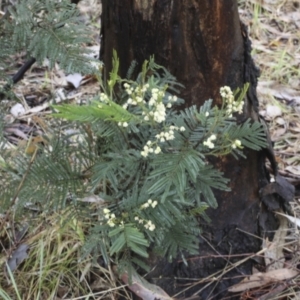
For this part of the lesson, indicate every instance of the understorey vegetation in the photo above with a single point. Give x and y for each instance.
(127, 172)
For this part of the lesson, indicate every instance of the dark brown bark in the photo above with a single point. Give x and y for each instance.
(187, 37)
(204, 45)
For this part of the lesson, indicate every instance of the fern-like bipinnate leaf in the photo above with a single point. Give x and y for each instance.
(127, 236)
(49, 29)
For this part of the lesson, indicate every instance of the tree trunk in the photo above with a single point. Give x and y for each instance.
(204, 45)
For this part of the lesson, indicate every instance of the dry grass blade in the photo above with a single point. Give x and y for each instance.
(260, 279)
(274, 257)
(274, 31)
(144, 289)
(53, 267)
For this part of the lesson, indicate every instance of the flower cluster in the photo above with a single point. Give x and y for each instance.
(171, 99)
(136, 95)
(151, 147)
(153, 109)
(209, 142)
(147, 224)
(236, 144)
(137, 91)
(232, 106)
(226, 92)
(104, 98)
(149, 203)
(123, 124)
(157, 110)
(111, 218)
(168, 135)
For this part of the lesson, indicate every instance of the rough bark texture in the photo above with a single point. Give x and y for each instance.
(204, 45)
(199, 41)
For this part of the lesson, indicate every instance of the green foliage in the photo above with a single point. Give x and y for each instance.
(51, 181)
(96, 111)
(45, 29)
(152, 170)
(127, 236)
(143, 161)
